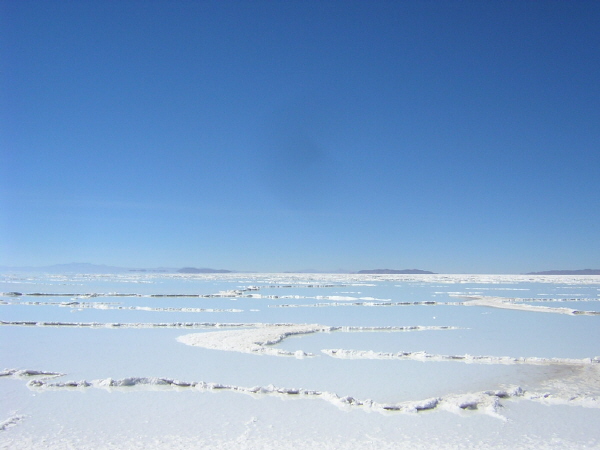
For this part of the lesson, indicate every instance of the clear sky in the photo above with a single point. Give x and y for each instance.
(450, 136)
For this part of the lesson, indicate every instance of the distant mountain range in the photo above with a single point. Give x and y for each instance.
(87, 268)
(568, 272)
(68, 268)
(394, 271)
(194, 270)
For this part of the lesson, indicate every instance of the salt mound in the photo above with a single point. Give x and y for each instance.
(256, 340)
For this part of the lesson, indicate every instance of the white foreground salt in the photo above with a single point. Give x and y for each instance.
(498, 302)
(253, 340)
(259, 340)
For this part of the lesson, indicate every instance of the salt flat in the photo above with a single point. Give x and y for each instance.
(299, 361)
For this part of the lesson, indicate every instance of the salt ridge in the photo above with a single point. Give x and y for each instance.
(256, 341)
(112, 306)
(372, 303)
(502, 303)
(11, 422)
(259, 340)
(26, 323)
(551, 299)
(485, 402)
(239, 292)
(158, 309)
(28, 373)
(469, 359)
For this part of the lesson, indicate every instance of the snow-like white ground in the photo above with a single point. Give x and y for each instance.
(299, 361)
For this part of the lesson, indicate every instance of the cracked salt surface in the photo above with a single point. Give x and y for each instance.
(433, 374)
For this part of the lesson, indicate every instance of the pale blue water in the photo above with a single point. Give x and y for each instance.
(75, 417)
(84, 353)
(487, 331)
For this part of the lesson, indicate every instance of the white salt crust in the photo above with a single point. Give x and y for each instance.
(485, 402)
(503, 303)
(259, 340)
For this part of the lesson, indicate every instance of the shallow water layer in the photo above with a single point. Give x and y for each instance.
(412, 359)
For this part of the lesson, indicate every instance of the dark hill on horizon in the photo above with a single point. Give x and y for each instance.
(567, 272)
(394, 271)
(204, 270)
(87, 268)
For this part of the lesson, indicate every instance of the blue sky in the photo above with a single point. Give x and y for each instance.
(285, 135)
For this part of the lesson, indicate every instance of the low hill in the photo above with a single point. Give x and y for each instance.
(394, 271)
(204, 270)
(568, 272)
(84, 268)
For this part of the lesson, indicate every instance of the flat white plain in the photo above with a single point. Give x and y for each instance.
(299, 361)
